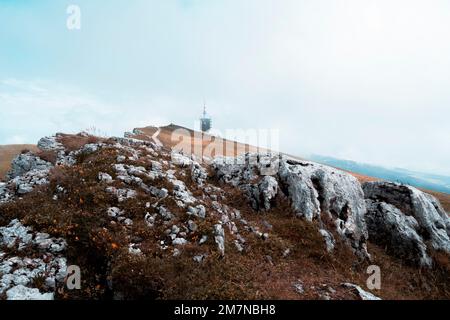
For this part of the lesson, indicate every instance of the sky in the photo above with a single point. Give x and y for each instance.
(362, 80)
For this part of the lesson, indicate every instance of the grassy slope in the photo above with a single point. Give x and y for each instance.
(200, 143)
(81, 217)
(8, 152)
(261, 272)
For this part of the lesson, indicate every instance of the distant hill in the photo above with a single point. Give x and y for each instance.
(8, 152)
(417, 179)
(200, 142)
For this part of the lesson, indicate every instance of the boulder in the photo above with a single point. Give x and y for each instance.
(26, 162)
(433, 223)
(182, 193)
(179, 242)
(314, 189)
(105, 177)
(244, 169)
(389, 227)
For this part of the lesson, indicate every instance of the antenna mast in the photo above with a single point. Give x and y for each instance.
(205, 120)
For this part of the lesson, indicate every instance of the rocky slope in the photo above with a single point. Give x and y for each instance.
(9, 152)
(142, 221)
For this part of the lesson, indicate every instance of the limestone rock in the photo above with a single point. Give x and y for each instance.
(50, 144)
(364, 295)
(433, 222)
(219, 237)
(181, 160)
(15, 234)
(21, 292)
(314, 189)
(198, 173)
(5, 193)
(105, 177)
(261, 194)
(26, 162)
(389, 227)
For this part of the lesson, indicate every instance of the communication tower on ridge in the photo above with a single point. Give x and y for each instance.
(205, 121)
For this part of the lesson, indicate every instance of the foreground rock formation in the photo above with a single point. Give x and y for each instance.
(410, 222)
(316, 192)
(131, 213)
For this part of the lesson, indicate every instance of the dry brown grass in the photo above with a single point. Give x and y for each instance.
(73, 142)
(47, 155)
(8, 152)
(199, 143)
(444, 199)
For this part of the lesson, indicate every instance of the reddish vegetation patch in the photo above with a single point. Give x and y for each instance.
(47, 155)
(443, 198)
(73, 142)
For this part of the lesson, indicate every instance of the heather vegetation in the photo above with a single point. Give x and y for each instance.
(142, 224)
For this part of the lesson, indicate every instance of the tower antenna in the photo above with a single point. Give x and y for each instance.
(205, 120)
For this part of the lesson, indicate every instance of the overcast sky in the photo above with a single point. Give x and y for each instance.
(362, 80)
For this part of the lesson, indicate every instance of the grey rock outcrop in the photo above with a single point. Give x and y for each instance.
(21, 292)
(388, 226)
(316, 190)
(50, 144)
(27, 171)
(18, 272)
(253, 173)
(245, 169)
(262, 194)
(5, 193)
(312, 189)
(415, 210)
(198, 173)
(63, 156)
(26, 162)
(25, 183)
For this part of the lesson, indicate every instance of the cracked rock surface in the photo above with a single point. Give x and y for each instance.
(412, 222)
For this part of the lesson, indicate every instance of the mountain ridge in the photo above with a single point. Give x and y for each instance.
(435, 182)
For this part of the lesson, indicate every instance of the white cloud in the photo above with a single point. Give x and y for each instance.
(32, 109)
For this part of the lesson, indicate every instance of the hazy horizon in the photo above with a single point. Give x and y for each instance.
(360, 80)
